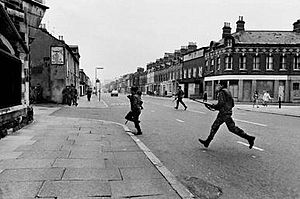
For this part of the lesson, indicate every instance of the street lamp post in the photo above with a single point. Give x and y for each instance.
(97, 82)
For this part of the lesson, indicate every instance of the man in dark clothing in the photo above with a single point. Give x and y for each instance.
(179, 96)
(89, 93)
(74, 95)
(136, 106)
(224, 106)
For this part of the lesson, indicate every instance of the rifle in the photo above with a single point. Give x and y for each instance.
(207, 105)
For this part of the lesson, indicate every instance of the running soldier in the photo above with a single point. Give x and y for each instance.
(136, 107)
(179, 95)
(224, 106)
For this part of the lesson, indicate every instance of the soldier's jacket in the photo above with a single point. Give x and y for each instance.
(225, 102)
(135, 102)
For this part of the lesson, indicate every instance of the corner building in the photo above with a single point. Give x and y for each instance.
(255, 60)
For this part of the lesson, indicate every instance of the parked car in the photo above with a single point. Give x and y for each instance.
(114, 93)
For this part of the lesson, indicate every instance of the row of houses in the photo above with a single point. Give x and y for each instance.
(249, 60)
(32, 60)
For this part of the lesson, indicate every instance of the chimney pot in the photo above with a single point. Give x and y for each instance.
(240, 24)
(297, 26)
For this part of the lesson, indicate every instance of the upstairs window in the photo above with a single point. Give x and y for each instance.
(184, 73)
(256, 62)
(200, 71)
(218, 63)
(206, 65)
(212, 64)
(242, 62)
(269, 62)
(282, 62)
(229, 43)
(190, 73)
(194, 72)
(296, 64)
(228, 62)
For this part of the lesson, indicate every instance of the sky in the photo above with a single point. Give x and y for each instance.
(121, 35)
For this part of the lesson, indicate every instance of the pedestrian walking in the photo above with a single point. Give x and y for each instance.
(89, 94)
(74, 95)
(266, 98)
(179, 95)
(205, 97)
(224, 106)
(255, 99)
(136, 107)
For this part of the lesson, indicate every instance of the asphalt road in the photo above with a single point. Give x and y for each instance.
(228, 166)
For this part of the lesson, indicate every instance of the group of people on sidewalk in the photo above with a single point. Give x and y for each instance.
(224, 106)
(266, 99)
(70, 95)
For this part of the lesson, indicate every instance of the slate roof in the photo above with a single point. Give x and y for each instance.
(266, 37)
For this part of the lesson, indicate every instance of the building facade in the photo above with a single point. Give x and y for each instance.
(256, 60)
(18, 19)
(55, 65)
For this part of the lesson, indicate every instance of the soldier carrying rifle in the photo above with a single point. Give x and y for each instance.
(224, 106)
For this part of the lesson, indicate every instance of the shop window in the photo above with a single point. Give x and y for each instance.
(295, 86)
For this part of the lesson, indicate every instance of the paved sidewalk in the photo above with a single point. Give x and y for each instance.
(59, 157)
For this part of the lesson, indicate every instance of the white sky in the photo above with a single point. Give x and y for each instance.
(121, 35)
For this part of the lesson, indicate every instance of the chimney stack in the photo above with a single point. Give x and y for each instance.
(240, 24)
(226, 30)
(297, 26)
(192, 46)
(60, 37)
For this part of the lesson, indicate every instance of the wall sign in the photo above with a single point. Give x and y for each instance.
(57, 55)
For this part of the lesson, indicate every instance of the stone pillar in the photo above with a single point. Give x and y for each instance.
(287, 91)
(241, 89)
(213, 89)
(276, 89)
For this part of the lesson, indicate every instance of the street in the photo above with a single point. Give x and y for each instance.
(228, 167)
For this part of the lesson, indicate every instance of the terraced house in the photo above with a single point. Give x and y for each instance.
(255, 60)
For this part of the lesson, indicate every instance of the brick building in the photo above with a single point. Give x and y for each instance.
(255, 60)
(55, 65)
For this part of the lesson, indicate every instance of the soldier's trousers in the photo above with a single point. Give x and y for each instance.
(136, 121)
(227, 119)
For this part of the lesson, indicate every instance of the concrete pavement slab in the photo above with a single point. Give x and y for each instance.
(111, 174)
(140, 188)
(75, 189)
(140, 173)
(90, 155)
(14, 190)
(45, 154)
(133, 148)
(82, 148)
(19, 175)
(26, 163)
(10, 155)
(79, 163)
(130, 163)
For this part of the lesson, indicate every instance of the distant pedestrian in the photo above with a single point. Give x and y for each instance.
(255, 99)
(224, 106)
(205, 97)
(179, 95)
(74, 95)
(136, 107)
(89, 93)
(266, 98)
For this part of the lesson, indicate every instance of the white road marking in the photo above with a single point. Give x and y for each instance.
(104, 103)
(254, 147)
(250, 122)
(179, 120)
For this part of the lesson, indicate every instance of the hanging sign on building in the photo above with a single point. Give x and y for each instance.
(57, 55)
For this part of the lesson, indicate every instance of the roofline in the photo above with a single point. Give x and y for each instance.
(37, 3)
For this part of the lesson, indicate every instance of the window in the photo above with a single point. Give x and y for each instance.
(200, 71)
(190, 73)
(269, 62)
(282, 63)
(212, 64)
(295, 86)
(296, 62)
(218, 63)
(194, 72)
(229, 43)
(206, 65)
(242, 62)
(184, 73)
(228, 62)
(256, 62)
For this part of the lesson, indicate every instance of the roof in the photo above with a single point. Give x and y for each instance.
(266, 37)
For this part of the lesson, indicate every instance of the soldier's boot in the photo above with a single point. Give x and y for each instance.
(206, 142)
(250, 141)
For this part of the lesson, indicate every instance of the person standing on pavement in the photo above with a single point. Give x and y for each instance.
(224, 106)
(89, 93)
(266, 98)
(74, 95)
(136, 107)
(255, 99)
(205, 96)
(179, 95)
